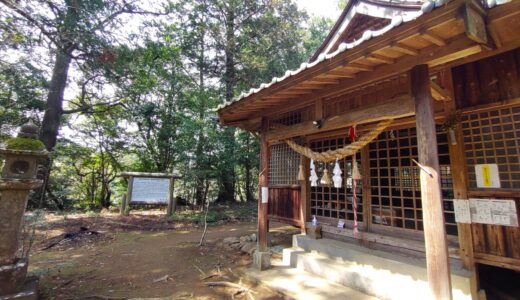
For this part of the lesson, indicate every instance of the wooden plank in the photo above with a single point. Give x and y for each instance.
(498, 261)
(401, 106)
(263, 182)
(380, 59)
(433, 38)
(405, 49)
(339, 73)
(437, 260)
(358, 67)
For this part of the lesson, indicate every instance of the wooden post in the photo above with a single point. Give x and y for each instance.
(437, 259)
(172, 204)
(460, 181)
(129, 195)
(123, 205)
(263, 183)
(304, 193)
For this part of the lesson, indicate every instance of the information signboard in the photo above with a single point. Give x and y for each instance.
(150, 190)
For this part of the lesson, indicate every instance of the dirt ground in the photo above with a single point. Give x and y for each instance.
(142, 256)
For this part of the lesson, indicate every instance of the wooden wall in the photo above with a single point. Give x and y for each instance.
(284, 204)
(484, 91)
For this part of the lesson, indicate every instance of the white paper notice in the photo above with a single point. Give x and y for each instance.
(265, 194)
(487, 176)
(462, 211)
(493, 211)
(480, 211)
(504, 212)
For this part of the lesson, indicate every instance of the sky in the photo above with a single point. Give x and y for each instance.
(328, 8)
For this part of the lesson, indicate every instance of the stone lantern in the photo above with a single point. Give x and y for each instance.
(22, 156)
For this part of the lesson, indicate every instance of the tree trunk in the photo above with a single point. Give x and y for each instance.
(227, 192)
(54, 107)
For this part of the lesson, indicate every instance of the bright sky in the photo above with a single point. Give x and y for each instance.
(328, 8)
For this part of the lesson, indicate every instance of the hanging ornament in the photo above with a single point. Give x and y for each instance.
(325, 179)
(301, 175)
(356, 175)
(352, 134)
(337, 178)
(392, 135)
(314, 177)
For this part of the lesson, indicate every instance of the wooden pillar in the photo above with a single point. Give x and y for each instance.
(128, 195)
(304, 193)
(437, 259)
(172, 204)
(123, 204)
(263, 184)
(460, 181)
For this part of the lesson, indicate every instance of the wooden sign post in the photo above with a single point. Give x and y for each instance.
(150, 189)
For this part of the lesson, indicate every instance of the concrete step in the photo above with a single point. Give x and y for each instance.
(301, 285)
(373, 272)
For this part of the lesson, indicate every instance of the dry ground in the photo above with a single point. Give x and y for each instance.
(141, 256)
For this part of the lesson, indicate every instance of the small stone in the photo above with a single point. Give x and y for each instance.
(253, 237)
(247, 248)
(245, 238)
(231, 240)
(427, 6)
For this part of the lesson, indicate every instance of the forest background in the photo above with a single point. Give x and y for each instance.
(132, 85)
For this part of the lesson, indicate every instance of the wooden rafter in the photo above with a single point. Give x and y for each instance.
(433, 38)
(405, 49)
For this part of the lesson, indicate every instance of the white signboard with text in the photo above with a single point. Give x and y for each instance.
(486, 211)
(150, 190)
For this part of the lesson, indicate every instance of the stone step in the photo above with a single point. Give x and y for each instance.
(373, 272)
(301, 285)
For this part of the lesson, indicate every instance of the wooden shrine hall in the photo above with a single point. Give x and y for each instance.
(401, 138)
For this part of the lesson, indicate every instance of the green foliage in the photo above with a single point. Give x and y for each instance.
(144, 100)
(20, 143)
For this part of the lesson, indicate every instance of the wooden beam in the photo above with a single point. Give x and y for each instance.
(263, 184)
(439, 93)
(341, 73)
(437, 260)
(380, 59)
(401, 106)
(358, 67)
(323, 81)
(433, 38)
(405, 49)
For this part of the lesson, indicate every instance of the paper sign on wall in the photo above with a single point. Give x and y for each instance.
(487, 176)
(504, 212)
(494, 211)
(265, 194)
(462, 211)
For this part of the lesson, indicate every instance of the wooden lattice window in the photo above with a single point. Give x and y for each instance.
(395, 183)
(283, 165)
(331, 202)
(493, 137)
(294, 117)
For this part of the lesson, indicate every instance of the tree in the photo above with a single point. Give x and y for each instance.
(82, 31)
